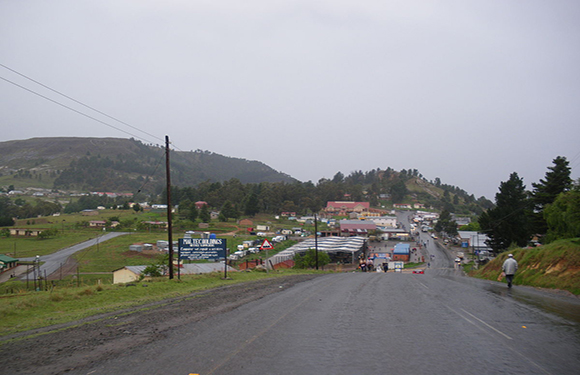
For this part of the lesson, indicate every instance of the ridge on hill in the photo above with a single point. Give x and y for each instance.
(118, 164)
(80, 165)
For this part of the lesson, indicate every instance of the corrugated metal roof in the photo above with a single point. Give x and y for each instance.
(402, 248)
(136, 269)
(326, 244)
(7, 259)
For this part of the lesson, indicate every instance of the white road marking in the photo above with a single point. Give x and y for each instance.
(487, 325)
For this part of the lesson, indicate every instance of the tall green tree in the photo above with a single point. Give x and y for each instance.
(204, 215)
(563, 216)
(398, 191)
(193, 213)
(545, 192)
(228, 211)
(251, 208)
(446, 224)
(508, 223)
(6, 212)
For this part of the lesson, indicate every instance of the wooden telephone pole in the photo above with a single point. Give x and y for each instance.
(169, 226)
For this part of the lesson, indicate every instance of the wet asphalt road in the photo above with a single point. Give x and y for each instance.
(374, 323)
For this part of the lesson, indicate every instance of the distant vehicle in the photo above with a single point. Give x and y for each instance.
(279, 239)
(419, 271)
(460, 255)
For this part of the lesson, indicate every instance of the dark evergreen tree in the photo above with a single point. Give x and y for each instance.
(228, 211)
(193, 213)
(251, 208)
(508, 223)
(398, 191)
(204, 215)
(546, 191)
(446, 224)
(338, 178)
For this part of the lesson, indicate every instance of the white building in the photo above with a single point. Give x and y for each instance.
(384, 221)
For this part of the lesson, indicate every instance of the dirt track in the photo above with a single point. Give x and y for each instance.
(61, 348)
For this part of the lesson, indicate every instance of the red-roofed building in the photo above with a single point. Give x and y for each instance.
(357, 227)
(344, 208)
(200, 204)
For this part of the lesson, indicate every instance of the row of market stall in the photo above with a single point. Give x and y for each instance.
(344, 250)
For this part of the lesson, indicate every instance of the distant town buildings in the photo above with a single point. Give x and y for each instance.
(344, 208)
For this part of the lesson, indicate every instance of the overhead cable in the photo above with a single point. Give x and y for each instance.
(76, 101)
(72, 109)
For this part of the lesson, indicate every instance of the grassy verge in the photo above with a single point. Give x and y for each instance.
(30, 310)
(114, 253)
(21, 247)
(555, 266)
(413, 265)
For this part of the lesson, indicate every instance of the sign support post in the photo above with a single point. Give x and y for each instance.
(266, 245)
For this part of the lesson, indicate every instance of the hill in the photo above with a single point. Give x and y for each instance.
(115, 164)
(128, 166)
(556, 266)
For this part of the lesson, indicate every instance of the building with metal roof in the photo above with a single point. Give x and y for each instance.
(340, 249)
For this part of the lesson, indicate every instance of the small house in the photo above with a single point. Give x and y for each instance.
(25, 232)
(402, 252)
(89, 212)
(127, 274)
(97, 223)
(7, 262)
(200, 204)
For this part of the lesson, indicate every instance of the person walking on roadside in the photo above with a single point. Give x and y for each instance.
(509, 267)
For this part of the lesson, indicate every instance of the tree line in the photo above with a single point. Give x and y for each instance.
(20, 209)
(549, 211)
(376, 186)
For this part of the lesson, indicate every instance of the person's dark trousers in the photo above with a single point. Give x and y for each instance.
(509, 279)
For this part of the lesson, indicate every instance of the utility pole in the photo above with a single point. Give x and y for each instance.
(169, 227)
(316, 240)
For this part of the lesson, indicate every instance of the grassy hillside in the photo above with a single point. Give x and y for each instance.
(555, 266)
(117, 164)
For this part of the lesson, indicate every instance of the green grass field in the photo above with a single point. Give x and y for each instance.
(115, 253)
(29, 310)
(21, 247)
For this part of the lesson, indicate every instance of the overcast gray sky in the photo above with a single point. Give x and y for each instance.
(467, 91)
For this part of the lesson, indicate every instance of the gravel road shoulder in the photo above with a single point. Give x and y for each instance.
(61, 348)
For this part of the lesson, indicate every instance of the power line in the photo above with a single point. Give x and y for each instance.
(72, 109)
(76, 101)
(152, 173)
(84, 114)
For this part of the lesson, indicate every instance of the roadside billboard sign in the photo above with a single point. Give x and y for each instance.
(202, 248)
